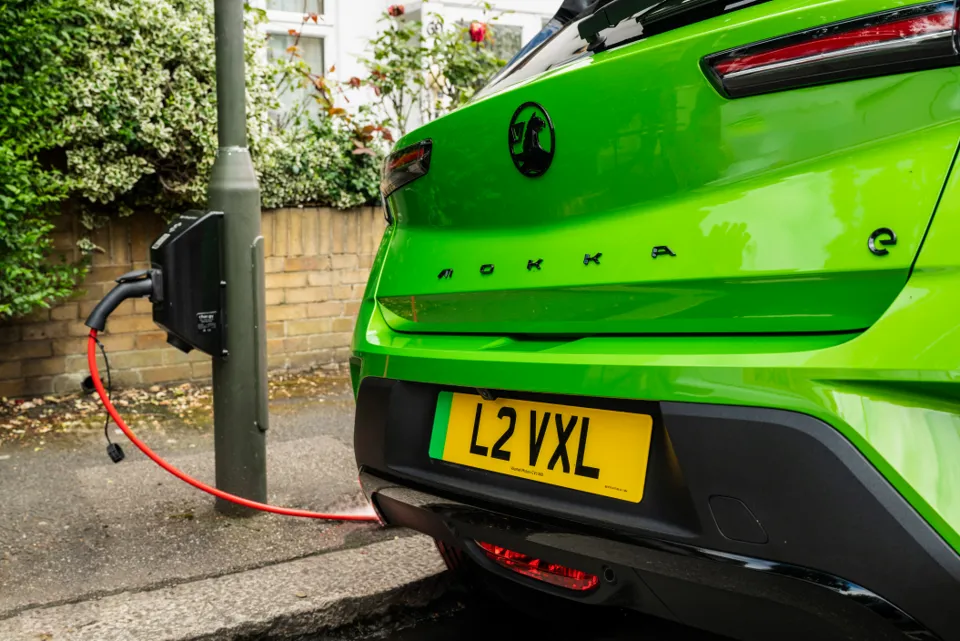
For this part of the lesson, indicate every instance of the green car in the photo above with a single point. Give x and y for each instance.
(668, 318)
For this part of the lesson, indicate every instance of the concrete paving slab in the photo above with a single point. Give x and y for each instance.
(275, 602)
(74, 526)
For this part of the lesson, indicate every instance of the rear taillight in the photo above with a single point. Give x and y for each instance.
(907, 39)
(552, 573)
(404, 166)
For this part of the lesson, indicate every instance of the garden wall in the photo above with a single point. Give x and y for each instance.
(317, 264)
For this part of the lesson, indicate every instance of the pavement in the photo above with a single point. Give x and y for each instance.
(90, 550)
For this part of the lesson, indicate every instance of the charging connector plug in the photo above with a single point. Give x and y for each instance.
(115, 452)
(138, 284)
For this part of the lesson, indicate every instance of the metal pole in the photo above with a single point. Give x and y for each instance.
(239, 376)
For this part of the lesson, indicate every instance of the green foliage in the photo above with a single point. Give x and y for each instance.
(458, 68)
(110, 105)
(431, 77)
(34, 36)
(317, 165)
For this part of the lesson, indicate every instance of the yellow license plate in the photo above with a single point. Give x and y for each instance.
(590, 450)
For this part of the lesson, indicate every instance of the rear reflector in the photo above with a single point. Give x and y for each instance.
(539, 569)
(908, 39)
(404, 166)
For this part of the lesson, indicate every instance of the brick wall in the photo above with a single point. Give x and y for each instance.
(317, 264)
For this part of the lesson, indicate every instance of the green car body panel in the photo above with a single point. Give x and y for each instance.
(772, 299)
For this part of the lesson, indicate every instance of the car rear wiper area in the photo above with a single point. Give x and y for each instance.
(611, 15)
(655, 16)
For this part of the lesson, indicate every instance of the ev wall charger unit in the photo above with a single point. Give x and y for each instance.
(189, 301)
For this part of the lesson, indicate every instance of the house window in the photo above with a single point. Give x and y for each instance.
(296, 6)
(505, 40)
(297, 95)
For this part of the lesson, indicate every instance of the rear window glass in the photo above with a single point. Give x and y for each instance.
(567, 46)
(564, 47)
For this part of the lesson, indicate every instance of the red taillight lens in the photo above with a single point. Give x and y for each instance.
(404, 166)
(538, 569)
(909, 39)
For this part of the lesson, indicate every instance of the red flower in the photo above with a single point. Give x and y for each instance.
(396, 10)
(478, 31)
(354, 82)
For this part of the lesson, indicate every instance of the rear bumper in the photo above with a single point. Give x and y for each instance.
(756, 523)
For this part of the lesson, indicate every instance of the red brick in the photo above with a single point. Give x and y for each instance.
(328, 309)
(69, 346)
(299, 328)
(107, 273)
(167, 373)
(343, 324)
(142, 306)
(93, 291)
(44, 366)
(12, 389)
(350, 277)
(296, 344)
(319, 279)
(202, 371)
(44, 331)
(118, 342)
(40, 315)
(274, 297)
(307, 263)
(325, 341)
(286, 281)
(274, 264)
(173, 356)
(24, 350)
(10, 369)
(151, 340)
(307, 360)
(137, 359)
(306, 294)
(9, 334)
(130, 324)
(295, 235)
(345, 261)
(38, 386)
(342, 292)
(286, 312)
(65, 311)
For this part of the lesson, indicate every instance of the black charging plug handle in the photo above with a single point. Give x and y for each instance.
(127, 287)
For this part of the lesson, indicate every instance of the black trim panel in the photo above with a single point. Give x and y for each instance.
(671, 578)
(806, 491)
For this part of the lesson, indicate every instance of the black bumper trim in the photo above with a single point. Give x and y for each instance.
(819, 502)
(437, 516)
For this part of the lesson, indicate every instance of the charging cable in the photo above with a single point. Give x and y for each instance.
(92, 343)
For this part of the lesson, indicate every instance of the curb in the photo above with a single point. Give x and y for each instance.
(280, 601)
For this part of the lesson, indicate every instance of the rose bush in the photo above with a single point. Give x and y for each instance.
(111, 106)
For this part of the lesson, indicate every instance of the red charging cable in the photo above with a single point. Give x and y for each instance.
(226, 496)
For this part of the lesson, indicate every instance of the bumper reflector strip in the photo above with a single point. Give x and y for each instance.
(552, 573)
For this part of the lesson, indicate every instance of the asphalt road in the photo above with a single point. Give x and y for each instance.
(467, 617)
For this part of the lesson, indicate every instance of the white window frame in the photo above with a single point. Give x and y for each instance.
(281, 22)
(527, 14)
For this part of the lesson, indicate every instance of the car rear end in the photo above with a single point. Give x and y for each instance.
(666, 319)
